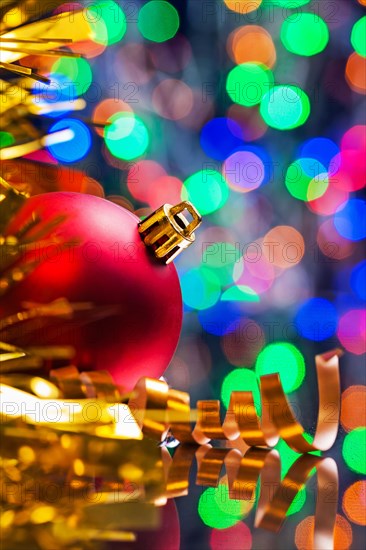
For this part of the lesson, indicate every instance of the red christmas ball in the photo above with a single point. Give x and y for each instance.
(128, 303)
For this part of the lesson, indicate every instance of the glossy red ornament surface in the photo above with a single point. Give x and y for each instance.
(96, 255)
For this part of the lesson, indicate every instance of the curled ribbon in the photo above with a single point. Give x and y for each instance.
(154, 408)
(158, 408)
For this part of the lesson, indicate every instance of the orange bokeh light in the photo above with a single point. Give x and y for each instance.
(356, 73)
(243, 6)
(283, 246)
(105, 109)
(354, 502)
(251, 43)
(304, 535)
(353, 412)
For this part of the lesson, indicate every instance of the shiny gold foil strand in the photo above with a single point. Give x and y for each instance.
(71, 25)
(14, 13)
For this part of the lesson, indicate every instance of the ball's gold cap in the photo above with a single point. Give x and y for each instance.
(167, 230)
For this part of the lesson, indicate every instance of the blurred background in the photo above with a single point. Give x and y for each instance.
(254, 110)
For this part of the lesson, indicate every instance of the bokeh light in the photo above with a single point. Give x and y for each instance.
(285, 359)
(304, 535)
(76, 146)
(218, 511)
(247, 83)
(251, 44)
(320, 149)
(350, 220)
(358, 36)
(353, 410)
(158, 21)
(218, 319)
(126, 136)
(105, 109)
(356, 73)
(290, 4)
(241, 380)
(207, 189)
(332, 244)
(220, 137)
(354, 502)
(305, 35)
(200, 288)
(77, 70)
(354, 450)
(243, 6)
(142, 176)
(244, 171)
(358, 278)
(316, 319)
(285, 107)
(238, 537)
(240, 293)
(283, 246)
(352, 331)
(107, 21)
(306, 179)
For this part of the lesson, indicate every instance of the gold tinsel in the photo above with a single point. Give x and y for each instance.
(22, 34)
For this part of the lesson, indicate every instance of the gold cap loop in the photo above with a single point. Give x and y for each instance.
(167, 231)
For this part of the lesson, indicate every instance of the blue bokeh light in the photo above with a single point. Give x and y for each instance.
(322, 149)
(218, 320)
(221, 137)
(350, 220)
(358, 280)
(75, 148)
(316, 319)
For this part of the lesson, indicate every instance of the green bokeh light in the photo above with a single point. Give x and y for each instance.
(241, 380)
(306, 179)
(354, 450)
(289, 4)
(107, 22)
(285, 359)
(240, 293)
(126, 136)
(6, 139)
(285, 107)
(158, 21)
(207, 189)
(306, 34)
(218, 511)
(358, 36)
(221, 256)
(247, 83)
(77, 70)
(201, 288)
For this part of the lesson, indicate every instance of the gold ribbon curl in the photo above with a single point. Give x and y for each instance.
(158, 408)
(155, 408)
